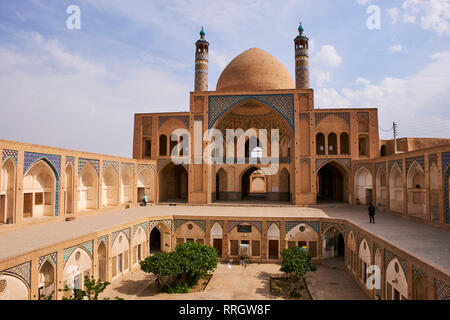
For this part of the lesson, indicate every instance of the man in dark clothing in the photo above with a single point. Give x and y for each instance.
(372, 213)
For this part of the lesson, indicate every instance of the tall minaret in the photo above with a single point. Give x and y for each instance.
(301, 60)
(201, 63)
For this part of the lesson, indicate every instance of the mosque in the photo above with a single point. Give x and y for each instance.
(323, 157)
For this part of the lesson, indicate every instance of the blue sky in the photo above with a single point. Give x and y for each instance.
(79, 89)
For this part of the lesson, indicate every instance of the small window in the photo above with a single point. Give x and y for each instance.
(38, 198)
(244, 229)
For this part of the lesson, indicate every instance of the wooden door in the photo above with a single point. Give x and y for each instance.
(28, 205)
(273, 249)
(218, 246)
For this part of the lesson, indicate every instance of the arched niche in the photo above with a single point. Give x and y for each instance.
(77, 267)
(416, 191)
(13, 288)
(7, 191)
(88, 188)
(39, 191)
(127, 185)
(110, 184)
(145, 185)
(396, 189)
(396, 283)
(363, 186)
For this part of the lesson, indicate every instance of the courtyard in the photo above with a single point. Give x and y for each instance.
(329, 282)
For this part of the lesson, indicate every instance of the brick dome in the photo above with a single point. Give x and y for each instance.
(252, 70)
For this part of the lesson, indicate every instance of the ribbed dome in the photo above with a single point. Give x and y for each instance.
(254, 69)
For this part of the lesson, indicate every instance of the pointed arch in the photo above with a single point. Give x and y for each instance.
(68, 189)
(40, 189)
(221, 184)
(435, 185)
(285, 185)
(332, 182)
(110, 187)
(126, 192)
(363, 186)
(416, 190)
(365, 259)
(88, 188)
(381, 185)
(47, 279)
(351, 251)
(396, 189)
(102, 256)
(396, 283)
(7, 191)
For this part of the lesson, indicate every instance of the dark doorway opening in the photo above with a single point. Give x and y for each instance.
(218, 246)
(173, 184)
(341, 246)
(331, 183)
(245, 186)
(155, 241)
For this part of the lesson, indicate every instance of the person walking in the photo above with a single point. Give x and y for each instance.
(372, 213)
(145, 200)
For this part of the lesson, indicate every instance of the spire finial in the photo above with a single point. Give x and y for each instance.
(202, 33)
(300, 28)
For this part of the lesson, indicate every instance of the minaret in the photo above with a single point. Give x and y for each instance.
(201, 63)
(301, 60)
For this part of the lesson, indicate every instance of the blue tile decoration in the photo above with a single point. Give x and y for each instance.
(320, 116)
(282, 103)
(432, 159)
(10, 154)
(304, 116)
(114, 164)
(87, 246)
(315, 225)
(22, 271)
(103, 238)
(256, 224)
(446, 173)
(179, 222)
(399, 162)
(278, 224)
(154, 223)
(358, 166)
(51, 257)
(442, 290)
(339, 226)
(417, 272)
(128, 165)
(388, 256)
(419, 160)
(141, 167)
(125, 231)
(82, 162)
(144, 226)
(70, 160)
(379, 165)
(53, 161)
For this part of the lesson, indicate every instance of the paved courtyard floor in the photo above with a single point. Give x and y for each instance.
(328, 282)
(426, 242)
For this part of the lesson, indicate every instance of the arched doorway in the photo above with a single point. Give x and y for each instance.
(145, 185)
(334, 244)
(248, 180)
(420, 288)
(110, 183)
(7, 192)
(39, 185)
(221, 184)
(381, 184)
(102, 261)
(363, 186)
(47, 280)
(173, 184)
(396, 283)
(155, 241)
(127, 185)
(416, 191)
(434, 192)
(332, 183)
(396, 189)
(285, 185)
(69, 190)
(88, 188)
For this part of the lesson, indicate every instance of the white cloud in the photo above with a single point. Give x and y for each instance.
(321, 77)
(219, 58)
(424, 95)
(434, 14)
(363, 2)
(361, 80)
(398, 48)
(393, 14)
(327, 57)
(58, 98)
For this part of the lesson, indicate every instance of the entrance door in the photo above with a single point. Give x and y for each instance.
(2, 208)
(27, 205)
(140, 195)
(368, 196)
(218, 246)
(273, 249)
